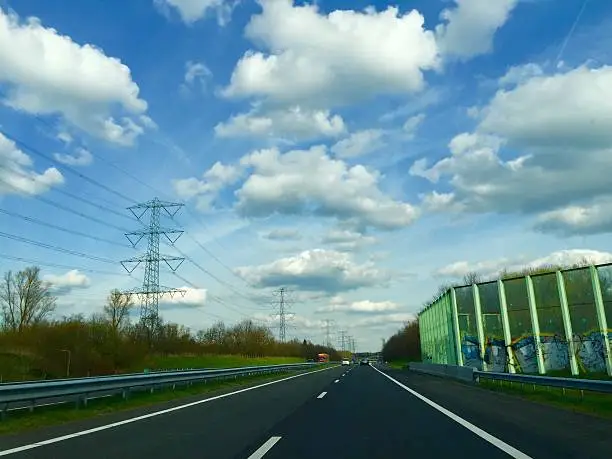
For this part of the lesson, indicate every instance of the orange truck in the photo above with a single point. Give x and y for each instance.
(323, 358)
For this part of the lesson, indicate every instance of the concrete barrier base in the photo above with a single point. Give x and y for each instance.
(465, 374)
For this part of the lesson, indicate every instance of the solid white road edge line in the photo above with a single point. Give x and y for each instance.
(50, 441)
(322, 394)
(263, 449)
(505, 447)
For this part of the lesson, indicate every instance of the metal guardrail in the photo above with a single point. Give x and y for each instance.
(469, 374)
(81, 388)
(591, 385)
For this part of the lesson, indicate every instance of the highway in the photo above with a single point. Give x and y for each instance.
(361, 412)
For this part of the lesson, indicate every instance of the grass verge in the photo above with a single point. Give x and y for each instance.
(397, 364)
(165, 362)
(591, 402)
(23, 420)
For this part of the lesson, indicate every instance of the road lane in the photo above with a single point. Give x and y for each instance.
(540, 430)
(349, 413)
(217, 429)
(367, 416)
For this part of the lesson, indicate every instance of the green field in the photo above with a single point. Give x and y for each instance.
(590, 402)
(169, 362)
(19, 421)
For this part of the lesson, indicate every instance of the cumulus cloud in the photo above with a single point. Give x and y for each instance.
(327, 59)
(358, 307)
(197, 75)
(309, 181)
(48, 73)
(520, 74)
(81, 157)
(315, 270)
(345, 240)
(191, 11)
(283, 234)
(192, 297)
(491, 268)
(17, 175)
(205, 190)
(292, 124)
(385, 320)
(306, 182)
(541, 147)
(359, 143)
(64, 283)
(468, 28)
(412, 124)
(316, 61)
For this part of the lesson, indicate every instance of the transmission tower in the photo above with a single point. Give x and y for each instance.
(328, 324)
(343, 339)
(151, 291)
(282, 313)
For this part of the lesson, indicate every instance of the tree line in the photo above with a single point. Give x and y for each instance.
(36, 343)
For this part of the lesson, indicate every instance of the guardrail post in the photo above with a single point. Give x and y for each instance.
(567, 324)
(479, 327)
(601, 318)
(453, 296)
(535, 324)
(503, 307)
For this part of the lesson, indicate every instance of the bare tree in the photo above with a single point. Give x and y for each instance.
(117, 309)
(25, 299)
(472, 278)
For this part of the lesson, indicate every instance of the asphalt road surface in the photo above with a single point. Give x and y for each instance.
(356, 413)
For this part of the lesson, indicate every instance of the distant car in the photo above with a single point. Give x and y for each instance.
(345, 362)
(364, 362)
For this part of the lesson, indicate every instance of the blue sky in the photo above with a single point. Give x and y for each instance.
(357, 153)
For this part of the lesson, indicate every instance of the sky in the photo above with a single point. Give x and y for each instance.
(357, 154)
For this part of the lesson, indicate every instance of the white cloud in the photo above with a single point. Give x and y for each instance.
(359, 307)
(412, 124)
(319, 60)
(197, 75)
(283, 234)
(468, 28)
(490, 268)
(64, 283)
(385, 320)
(359, 143)
(207, 188)
(293, 124)
(48, 73)
(192, 11)
(345, 240)
(81, 157)
(192, 297)
(310, 182)
(542, 147)
(315, 270)
(17, 175)
(431, 96)
(520, 74)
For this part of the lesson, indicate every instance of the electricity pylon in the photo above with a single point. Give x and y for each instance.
(151, 291)
(282, 313)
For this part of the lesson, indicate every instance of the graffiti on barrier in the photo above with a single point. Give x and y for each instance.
(589, 349)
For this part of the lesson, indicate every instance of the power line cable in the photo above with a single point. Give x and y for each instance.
(37, 152)
(61, 228)
(67, 209)
(55, 248)
(58, 265)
